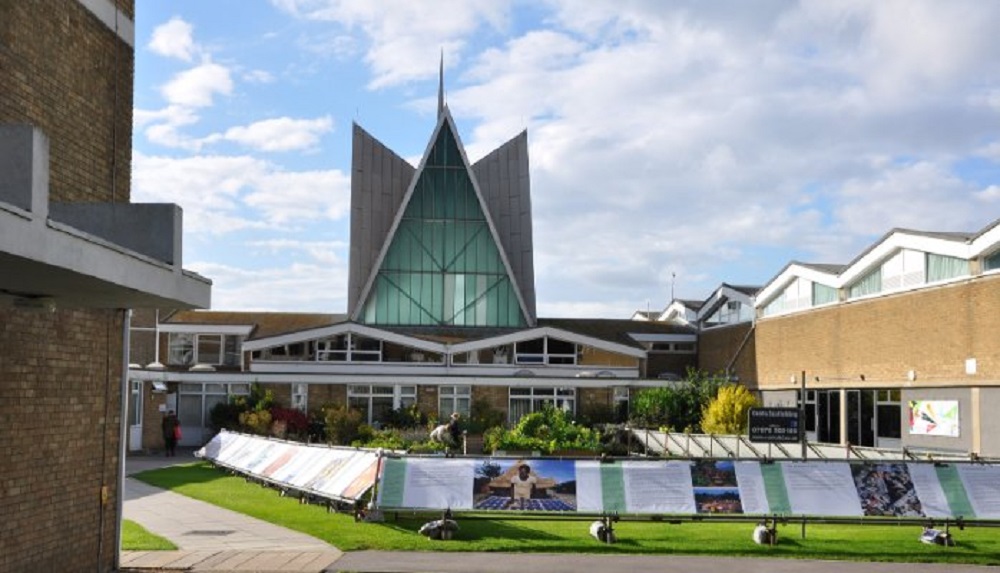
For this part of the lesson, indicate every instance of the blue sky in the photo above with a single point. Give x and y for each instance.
(710, 141)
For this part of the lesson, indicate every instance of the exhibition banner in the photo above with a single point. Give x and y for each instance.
(677, 487)
(337, 473)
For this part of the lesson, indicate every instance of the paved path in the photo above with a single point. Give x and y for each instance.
(221, 541)
(211, 538)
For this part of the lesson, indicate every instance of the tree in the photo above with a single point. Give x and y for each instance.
(679, 405)
(727, 412)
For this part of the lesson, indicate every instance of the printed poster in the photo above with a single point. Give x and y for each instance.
(934, 418)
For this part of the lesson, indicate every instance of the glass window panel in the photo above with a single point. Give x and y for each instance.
(358, 389)
(518, 408)
(189, 410)
(215, 388)
(210, 348)
(992, 262)
(822, 294)
(889, 421)
(544, 391)
(869, 284)
(180, 349)
(381, 408)
(520, 391)
(239, 389)
(361, 405)
(232, 350)
(941, 267)
(188, 388)
(382, 390)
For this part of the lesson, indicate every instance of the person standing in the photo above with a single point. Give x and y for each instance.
(455, 431)
(171, 433)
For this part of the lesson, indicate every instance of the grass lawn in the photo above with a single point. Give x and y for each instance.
(861, 543)
(137, 538)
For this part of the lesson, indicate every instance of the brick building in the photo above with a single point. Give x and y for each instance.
(441, 312)
(74, 256)
(899, 347)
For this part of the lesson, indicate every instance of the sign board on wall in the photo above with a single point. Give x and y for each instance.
(775, 425)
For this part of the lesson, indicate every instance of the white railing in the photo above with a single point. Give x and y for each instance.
(737, 446)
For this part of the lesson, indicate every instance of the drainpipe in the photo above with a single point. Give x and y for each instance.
(123, 434)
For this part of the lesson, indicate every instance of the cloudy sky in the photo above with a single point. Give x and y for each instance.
(671, 143)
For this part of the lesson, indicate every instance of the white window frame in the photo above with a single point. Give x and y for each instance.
(193, 340)
(546, 356)
(300, 396)
(329, 349)
(454, 399)
(558, 396)
(403, 395)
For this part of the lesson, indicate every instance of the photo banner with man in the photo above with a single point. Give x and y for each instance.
(678, 487)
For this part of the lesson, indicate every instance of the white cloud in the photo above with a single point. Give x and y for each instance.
(912, 196)
(197, 86)
(174, 40)
(258, 77)
(296, 287)
(280, 134)
(324, 252)
(406, 37)
(223, 194)
(290, 197)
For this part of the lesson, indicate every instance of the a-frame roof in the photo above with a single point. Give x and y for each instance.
(370, 266)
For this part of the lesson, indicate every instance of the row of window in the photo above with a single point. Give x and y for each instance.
(188, 349)
(350, 347)
(905, 269)
(873, 416)
(376, 401)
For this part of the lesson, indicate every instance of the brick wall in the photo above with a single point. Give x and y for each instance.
(722, 346)
(932, 331)
(65, 72)
(60, 386)
(58, 72)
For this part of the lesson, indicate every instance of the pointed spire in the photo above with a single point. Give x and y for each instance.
(441, 86)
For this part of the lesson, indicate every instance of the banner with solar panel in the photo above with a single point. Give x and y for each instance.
(812, 488)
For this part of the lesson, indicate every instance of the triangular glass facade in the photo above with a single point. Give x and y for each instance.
(443, 266)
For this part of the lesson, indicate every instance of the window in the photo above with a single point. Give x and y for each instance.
(350, 348)
(300, 396)
(135, 403)
(209, 349)
(545, 350)
(180, 349)
(822, 294)
(673, 347)
(454, 399)
(195, 403)
(620, 397)
(732, 312)
(188, 349)
(871, 283)
(376, 401)
(992, 262)
(941, 267)
(810, 410)
(888, 414)
(527, 400)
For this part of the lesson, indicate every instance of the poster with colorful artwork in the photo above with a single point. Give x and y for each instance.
(934, 418)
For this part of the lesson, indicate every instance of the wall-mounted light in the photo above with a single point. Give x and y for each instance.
(791, 379)
(862, 376)
(911, 375)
